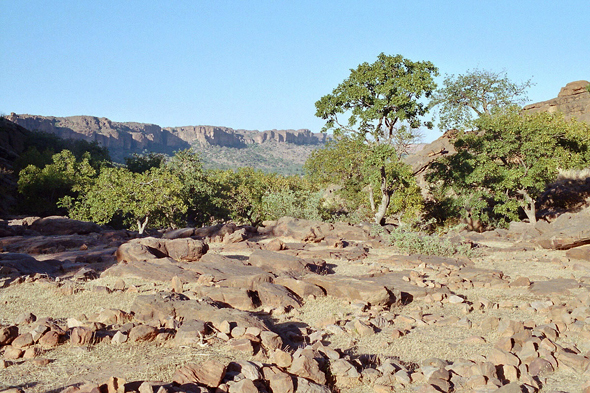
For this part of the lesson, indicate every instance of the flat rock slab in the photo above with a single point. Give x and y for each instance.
(57, 225)
(557, 286)
(567, 231)
(156, 269)
(581, 253)
(354, 289)
(36, 245)
(160, 306)
(26, 264)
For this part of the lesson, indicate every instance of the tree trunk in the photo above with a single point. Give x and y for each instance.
(529, 208)
(141, 226)
(385, 199)
(369, 190)
(380, 215)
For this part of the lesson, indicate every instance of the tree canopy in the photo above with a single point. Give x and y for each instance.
(463, 98)
(502, 167)
(152, 197)
(385, 103)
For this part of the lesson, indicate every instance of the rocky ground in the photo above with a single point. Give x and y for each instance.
(295, 306)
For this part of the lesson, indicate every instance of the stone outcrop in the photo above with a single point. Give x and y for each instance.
(129, 137)
(573, 101)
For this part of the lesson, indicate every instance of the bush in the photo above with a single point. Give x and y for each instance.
(415, 242)
(298, 204)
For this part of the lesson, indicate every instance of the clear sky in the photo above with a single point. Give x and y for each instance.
(263, 64)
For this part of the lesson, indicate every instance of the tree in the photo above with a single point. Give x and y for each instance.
(201, 191)
(139, 163)
(152, 197)
(384, 105)
(501, 168)
(42, 188)
(463, 98)
(359, 168)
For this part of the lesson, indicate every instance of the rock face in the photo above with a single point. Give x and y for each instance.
(136, 137)
(573, 101)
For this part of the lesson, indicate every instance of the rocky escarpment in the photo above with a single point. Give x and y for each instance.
(124, 138)
(573, 101)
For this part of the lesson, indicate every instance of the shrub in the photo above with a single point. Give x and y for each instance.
(415, 242)
(298, 204)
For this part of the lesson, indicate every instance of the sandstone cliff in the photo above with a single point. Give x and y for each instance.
(126, 138)
(573, 101)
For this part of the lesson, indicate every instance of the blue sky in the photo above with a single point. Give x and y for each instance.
(263, 64)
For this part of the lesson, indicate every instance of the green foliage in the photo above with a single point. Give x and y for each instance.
(464, 98)
(271, 157)
(588, 88)
(384, 105)
(200, 191)
(42, 188)
(299, 204)
(382, 100)
(362, 169)
(500, 170)
(153, 197)
(41, 146)
(414, 242)
(139, 163)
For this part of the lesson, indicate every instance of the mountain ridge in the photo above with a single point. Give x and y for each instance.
(124, 138)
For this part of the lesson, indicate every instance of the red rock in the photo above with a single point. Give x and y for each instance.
(308, 368)
(8, 334)
(271, 340)
(11, 352)
(82, 336)
(23, 341)
(209, 373)
(275, 245)
(143, 333)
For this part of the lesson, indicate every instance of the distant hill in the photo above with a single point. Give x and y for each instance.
(282, 151)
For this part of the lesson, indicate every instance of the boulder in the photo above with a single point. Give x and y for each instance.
(57, 225)
(278, 263)
(145, 249)
(353, 289)
(186, 250)
(567, 231)
(209, 373)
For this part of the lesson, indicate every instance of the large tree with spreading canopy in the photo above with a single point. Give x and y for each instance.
(383, 105)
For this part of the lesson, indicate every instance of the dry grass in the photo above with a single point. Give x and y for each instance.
(158, 361)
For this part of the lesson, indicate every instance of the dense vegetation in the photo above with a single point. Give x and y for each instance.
(503, 163)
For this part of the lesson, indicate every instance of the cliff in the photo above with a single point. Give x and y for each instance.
(573, 101)
(125, 138)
